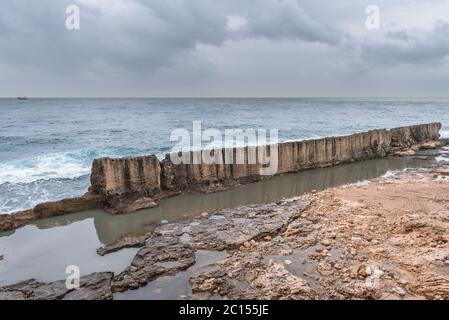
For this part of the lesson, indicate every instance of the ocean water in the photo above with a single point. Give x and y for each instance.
(47, 145)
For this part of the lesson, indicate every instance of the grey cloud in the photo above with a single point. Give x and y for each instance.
(140, 35)
(186, 47)
(409, 47)
(277, 20)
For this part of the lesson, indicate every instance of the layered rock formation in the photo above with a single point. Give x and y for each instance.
(96, 286)
(134, 183)
(50, 209)
(129, 184)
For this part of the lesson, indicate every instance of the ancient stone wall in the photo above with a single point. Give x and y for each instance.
(297, 155)
(129, 184)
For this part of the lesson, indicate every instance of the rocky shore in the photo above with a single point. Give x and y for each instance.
(383, 239)
(128, 184)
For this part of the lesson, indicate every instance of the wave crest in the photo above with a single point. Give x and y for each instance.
(66, 165)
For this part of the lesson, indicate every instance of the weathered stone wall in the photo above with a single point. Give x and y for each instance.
(126, 175)
(297, 155)
(128, 184)
(406, 137)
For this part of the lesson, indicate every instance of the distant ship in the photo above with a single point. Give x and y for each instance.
(22, 98)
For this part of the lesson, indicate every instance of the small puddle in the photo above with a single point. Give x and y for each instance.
(45, 256)
(176, 286)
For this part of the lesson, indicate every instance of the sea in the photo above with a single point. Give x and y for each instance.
(47, 145)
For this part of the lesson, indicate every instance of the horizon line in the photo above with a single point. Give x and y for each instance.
(211, 97)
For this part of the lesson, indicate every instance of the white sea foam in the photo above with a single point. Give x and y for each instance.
(68, 165)
(444, 134)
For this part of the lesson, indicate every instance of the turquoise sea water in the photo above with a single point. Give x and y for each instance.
(47, 145)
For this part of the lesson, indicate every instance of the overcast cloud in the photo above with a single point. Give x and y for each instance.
(224, 48)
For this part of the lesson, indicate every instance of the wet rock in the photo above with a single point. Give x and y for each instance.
(49, 209)
(250, 276)
(403, 153)
(125, 242)
(12, 295)
(55, 208)
(161, 255)
(19, 291)
(119, 204)
(290, 249)
(96, 286)
(239, 227)
(7, 222)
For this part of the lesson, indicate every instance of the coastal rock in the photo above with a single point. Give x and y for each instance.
(405, 153)
(294, 156)
(135, 183)
(49, 209)
(125, 242)
(232, 228)
(160, 256)
(70, 205)
(171, 248)
(250, 276)
(96, 286)
(392, 215)
(315, 249)
(120, 204)
(7, 222)
(128, 184)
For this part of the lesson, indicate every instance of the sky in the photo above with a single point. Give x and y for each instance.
(224, 48)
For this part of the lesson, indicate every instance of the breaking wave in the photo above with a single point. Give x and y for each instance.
(59, 166)
(67, 165)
